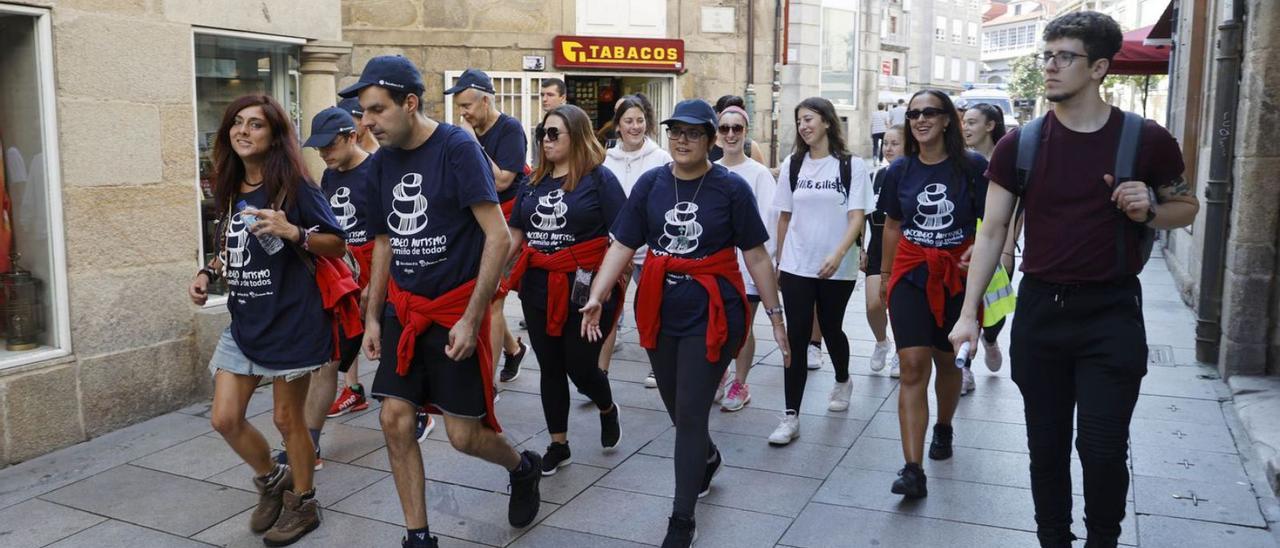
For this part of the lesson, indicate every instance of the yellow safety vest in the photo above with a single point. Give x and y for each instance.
(999, 299)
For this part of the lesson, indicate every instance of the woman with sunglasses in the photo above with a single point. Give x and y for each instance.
(691, 306)
(635, 154)
(983, 128)
(819, 226)
(559, 235)
(749, 147)
(279, 328)
(933, 198)
(877, 313)
(733, 130)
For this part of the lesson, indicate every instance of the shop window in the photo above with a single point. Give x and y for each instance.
(229, 65)
(518, 96)
(839, 56)
(33, 286)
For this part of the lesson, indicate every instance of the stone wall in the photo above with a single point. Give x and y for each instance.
(124, 73)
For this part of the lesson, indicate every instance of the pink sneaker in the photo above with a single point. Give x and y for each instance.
(736, 398)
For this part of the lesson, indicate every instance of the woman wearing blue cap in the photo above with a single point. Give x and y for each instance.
(691, 306)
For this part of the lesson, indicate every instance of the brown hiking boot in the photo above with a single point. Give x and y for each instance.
(270, 493)
(298, 518)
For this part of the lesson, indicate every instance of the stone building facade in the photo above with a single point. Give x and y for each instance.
(99, 103)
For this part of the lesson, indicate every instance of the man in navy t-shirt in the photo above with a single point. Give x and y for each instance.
(505, 144)
(439, 241)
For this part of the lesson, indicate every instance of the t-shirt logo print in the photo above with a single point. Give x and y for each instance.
(237, 242)
(343, 209)
(549, 215)
(933, 209)
(409, 213)
(680, 234)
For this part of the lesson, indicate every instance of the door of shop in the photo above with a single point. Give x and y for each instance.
(596, 93)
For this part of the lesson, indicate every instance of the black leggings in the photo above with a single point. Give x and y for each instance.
(687, 384)
(571, 355)
(800, 295)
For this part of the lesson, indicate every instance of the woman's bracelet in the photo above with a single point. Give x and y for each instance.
(213, 276)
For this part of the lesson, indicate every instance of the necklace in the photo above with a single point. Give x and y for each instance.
(684, 238)
(253, 185)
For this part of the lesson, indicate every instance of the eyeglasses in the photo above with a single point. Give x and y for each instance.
(731, 129)
(1062, 59)
(549, 134)
(927, 112)
(681, 133)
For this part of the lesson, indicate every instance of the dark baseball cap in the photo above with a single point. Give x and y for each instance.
(472, 79)
(352, 105)
(327, 125)
(393, 72)
(693, 111)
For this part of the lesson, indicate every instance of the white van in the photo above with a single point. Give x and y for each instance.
(992, 96)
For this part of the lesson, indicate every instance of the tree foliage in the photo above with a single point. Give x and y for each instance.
(1027, 81)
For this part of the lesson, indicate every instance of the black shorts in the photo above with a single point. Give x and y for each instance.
(875, 247)
(349, 351)
(454, 387)
(912, 321)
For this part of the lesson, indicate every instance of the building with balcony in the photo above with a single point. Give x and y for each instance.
(1015, 32)
(944, 52)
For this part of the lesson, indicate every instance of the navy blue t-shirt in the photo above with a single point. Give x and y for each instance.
(553, 219)
(348, 195)
(277, 316)
(682, 220)
(937, 205)
(421, 199)
(505, 142)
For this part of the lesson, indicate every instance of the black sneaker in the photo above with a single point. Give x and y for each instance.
(681, 532)
(910, 482)
(282, 458)
(429, 542)
(940, 448)
(511, 363)
(423, 425)
(557, 457)
(525, 498)
(610, 430)
(713, 469)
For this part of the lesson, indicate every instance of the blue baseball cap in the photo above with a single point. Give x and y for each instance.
(472, 79)
(693, 111)
(327, 125)
(351, 105)
(393, 72)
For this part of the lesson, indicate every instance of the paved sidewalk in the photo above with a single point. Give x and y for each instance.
(172, 482)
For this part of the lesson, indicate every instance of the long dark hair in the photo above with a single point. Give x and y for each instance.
(835, 129)
(641, 102)
(952, 137)
(282, 170)
(585, 152)
(993, 113)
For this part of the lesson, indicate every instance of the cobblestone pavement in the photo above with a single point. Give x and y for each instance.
(172, 482)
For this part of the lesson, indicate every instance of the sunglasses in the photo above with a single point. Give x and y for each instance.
(547, 134)
(927, 112)
(727, 129)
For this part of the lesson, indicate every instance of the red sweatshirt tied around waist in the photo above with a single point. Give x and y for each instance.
(364, 258)
(418, 313)
(586, 255)
(721, 264)
(340, 297)
(946, 278)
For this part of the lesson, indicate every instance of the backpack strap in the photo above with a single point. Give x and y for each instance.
(796, 160)
(846, 174)
(1028, 146)
(1126, 165)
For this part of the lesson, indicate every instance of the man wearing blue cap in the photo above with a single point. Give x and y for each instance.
(440, 241)
(363, 137)
(503, 140)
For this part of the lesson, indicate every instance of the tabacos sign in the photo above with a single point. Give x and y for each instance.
(598, 52)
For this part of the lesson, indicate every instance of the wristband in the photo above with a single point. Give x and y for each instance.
(208, 272)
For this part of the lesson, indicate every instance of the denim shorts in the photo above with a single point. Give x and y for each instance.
(228, 357)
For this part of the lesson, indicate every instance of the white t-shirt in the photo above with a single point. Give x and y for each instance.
(879, 121)
(763, 185)
(820, 212)
(629, 166)
(897, 116)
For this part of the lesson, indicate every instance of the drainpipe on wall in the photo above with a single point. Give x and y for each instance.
(1218, 187)
(778, 43)
(749, 96)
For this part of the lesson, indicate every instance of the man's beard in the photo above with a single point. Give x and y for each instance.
(1060, 97)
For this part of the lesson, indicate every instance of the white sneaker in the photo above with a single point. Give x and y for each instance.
(840, 396)
(879, 354)
(650, 381)
(966, 381)
(894, 370)
(815, 357)
(993, 356)
(788, 429)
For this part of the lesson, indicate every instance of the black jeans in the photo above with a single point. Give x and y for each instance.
(800, 295)
(687, 383)
(571, 355)
(877, 146)
(1079, 350)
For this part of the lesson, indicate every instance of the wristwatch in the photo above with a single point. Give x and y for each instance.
(1151, 207)
(771, 312)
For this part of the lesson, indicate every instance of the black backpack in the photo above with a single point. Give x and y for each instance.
(1029, 139)
(846, 171)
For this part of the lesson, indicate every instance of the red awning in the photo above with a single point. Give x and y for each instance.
(1137, 58)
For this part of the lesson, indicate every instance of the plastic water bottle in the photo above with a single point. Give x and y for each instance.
(271, 243)
(962, 355)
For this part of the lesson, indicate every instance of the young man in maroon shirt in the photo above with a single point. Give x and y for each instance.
(1079, 344)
